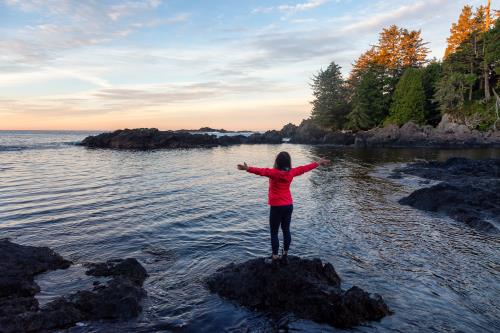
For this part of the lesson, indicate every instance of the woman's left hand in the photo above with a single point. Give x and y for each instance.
(243, 166)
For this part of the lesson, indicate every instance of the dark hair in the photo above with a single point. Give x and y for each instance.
(283, 161)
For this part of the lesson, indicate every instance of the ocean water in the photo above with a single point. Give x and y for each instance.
(184, 213)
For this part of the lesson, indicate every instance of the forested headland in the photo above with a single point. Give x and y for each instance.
(394, 81)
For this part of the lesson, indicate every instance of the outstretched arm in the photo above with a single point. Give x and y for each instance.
(266, 172)
(308, 167)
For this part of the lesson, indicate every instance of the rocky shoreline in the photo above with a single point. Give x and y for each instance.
(469, 190)
(306, 287)
(446, 135)
(119, 298)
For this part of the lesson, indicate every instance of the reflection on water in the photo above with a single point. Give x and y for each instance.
(183, 213)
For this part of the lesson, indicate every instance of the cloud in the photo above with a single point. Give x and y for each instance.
(263, 10)
(67, 25)
(47, 74)
(415, 10)
(131, 7)
(291, 9)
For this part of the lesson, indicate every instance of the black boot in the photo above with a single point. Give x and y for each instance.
(284, 257)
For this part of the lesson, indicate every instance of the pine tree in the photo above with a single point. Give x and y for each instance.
(461, 30)
(450, 91)
(330, 105)
(431, 75)
(409, 99)
(396, 50)
(369, 106)
(492, 51)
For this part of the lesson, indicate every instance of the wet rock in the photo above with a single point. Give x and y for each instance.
(266, 137)
(19, 264)
(228, 140)
(152, 138)
(119, 298)
(308, 288)
(469, 192)
(310, 133)
(446, 134)
(455, 169)
(149, 138)
(129, 268)
(470, 204)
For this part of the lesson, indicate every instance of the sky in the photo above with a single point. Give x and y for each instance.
(172, 64)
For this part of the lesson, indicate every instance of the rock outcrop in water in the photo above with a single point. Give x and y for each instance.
(446, 134)
(152, 138)
(308, 288)
(119, 298)
(149, 138)
(469, 191)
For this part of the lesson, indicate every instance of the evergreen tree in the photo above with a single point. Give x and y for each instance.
(409, 99)
(461, 30)
(396, 50)
(492, 52)
(330, 105)
(430, 78)
(369, 105)
(450, 92)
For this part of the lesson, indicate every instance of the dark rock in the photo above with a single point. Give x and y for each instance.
(19, 264)
(308, 288)
(470, 191)
(266, 137)
(149, 138)
(119, 298)
(310, 133)
(446, 134)
(339, 138)
(209, 129)
(466, 203)
(152, 138)
(454, 168)
(129, 268)
(227, 140)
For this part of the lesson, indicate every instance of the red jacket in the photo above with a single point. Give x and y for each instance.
(279, 182)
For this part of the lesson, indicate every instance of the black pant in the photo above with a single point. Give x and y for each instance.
(280, 215)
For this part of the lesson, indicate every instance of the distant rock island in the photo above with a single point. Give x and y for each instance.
(446, 135)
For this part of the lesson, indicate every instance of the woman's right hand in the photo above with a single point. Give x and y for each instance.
(324, 162)
(243, 166)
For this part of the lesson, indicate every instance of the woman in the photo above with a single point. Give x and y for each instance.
(280, 198)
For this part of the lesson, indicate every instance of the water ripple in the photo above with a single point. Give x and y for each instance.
(184, 213)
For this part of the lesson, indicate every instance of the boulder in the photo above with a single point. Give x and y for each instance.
(272, 137)
(469, 192)
(306, 287)
(119, 298)
(308, 133)
(446, 134)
